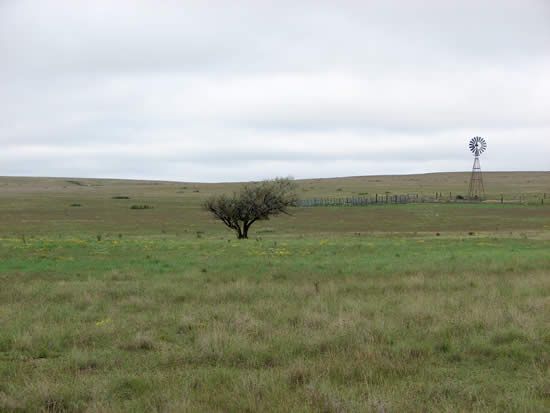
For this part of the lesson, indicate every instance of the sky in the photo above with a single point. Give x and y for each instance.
(213, 91)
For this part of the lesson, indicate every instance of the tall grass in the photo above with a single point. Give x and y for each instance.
(319, 324)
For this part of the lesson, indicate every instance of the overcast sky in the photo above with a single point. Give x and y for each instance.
(235, 90)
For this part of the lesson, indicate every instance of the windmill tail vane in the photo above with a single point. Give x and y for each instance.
(476, 191)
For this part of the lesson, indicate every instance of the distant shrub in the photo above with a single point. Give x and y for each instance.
(70, 181)
(121, 197)
(144, 206)
(76, 205)
(459, 197)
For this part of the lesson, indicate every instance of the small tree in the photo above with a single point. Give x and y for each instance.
(253, 203)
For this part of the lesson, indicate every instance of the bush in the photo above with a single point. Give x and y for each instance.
(141, 207)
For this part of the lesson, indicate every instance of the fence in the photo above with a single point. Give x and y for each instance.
(360, 200)
(437, 197)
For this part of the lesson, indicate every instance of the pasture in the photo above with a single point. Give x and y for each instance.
(388, 308)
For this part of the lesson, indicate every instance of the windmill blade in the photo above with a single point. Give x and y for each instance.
(483, 145)
(477, 145)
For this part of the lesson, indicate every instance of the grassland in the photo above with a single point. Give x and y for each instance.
(434, 307)
(50, 206)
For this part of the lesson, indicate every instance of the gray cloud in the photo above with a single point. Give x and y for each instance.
(245, 90)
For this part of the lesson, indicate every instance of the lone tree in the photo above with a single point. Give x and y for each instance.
(254, 202)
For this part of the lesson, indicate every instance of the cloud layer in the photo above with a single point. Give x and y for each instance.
(246, 90)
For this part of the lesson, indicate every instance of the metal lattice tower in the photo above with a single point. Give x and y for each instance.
(476, 190)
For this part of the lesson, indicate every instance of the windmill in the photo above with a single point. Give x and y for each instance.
(476, 190)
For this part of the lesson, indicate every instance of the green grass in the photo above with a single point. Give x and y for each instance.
(342, 323)
(389, 308)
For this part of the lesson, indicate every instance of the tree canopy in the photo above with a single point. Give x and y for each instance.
(254, 202)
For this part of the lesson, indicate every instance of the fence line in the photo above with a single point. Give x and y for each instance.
(386, 198)
(360, 200)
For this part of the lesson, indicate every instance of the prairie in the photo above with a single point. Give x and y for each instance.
(417, 307)
(74, 206)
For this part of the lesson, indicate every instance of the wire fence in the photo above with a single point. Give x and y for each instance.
(357, 200)
(437, 197)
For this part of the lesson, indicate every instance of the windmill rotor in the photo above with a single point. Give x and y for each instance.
(477, 145)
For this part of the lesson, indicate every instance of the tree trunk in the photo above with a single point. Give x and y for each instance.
(246, 227)
(239, 233)
(242, 233)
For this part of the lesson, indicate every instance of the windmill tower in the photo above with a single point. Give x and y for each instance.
(476, 190)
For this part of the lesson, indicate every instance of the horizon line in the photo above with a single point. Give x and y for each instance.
(257, 180)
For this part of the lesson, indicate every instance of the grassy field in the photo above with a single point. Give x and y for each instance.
(419, 307)
(57, 206)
